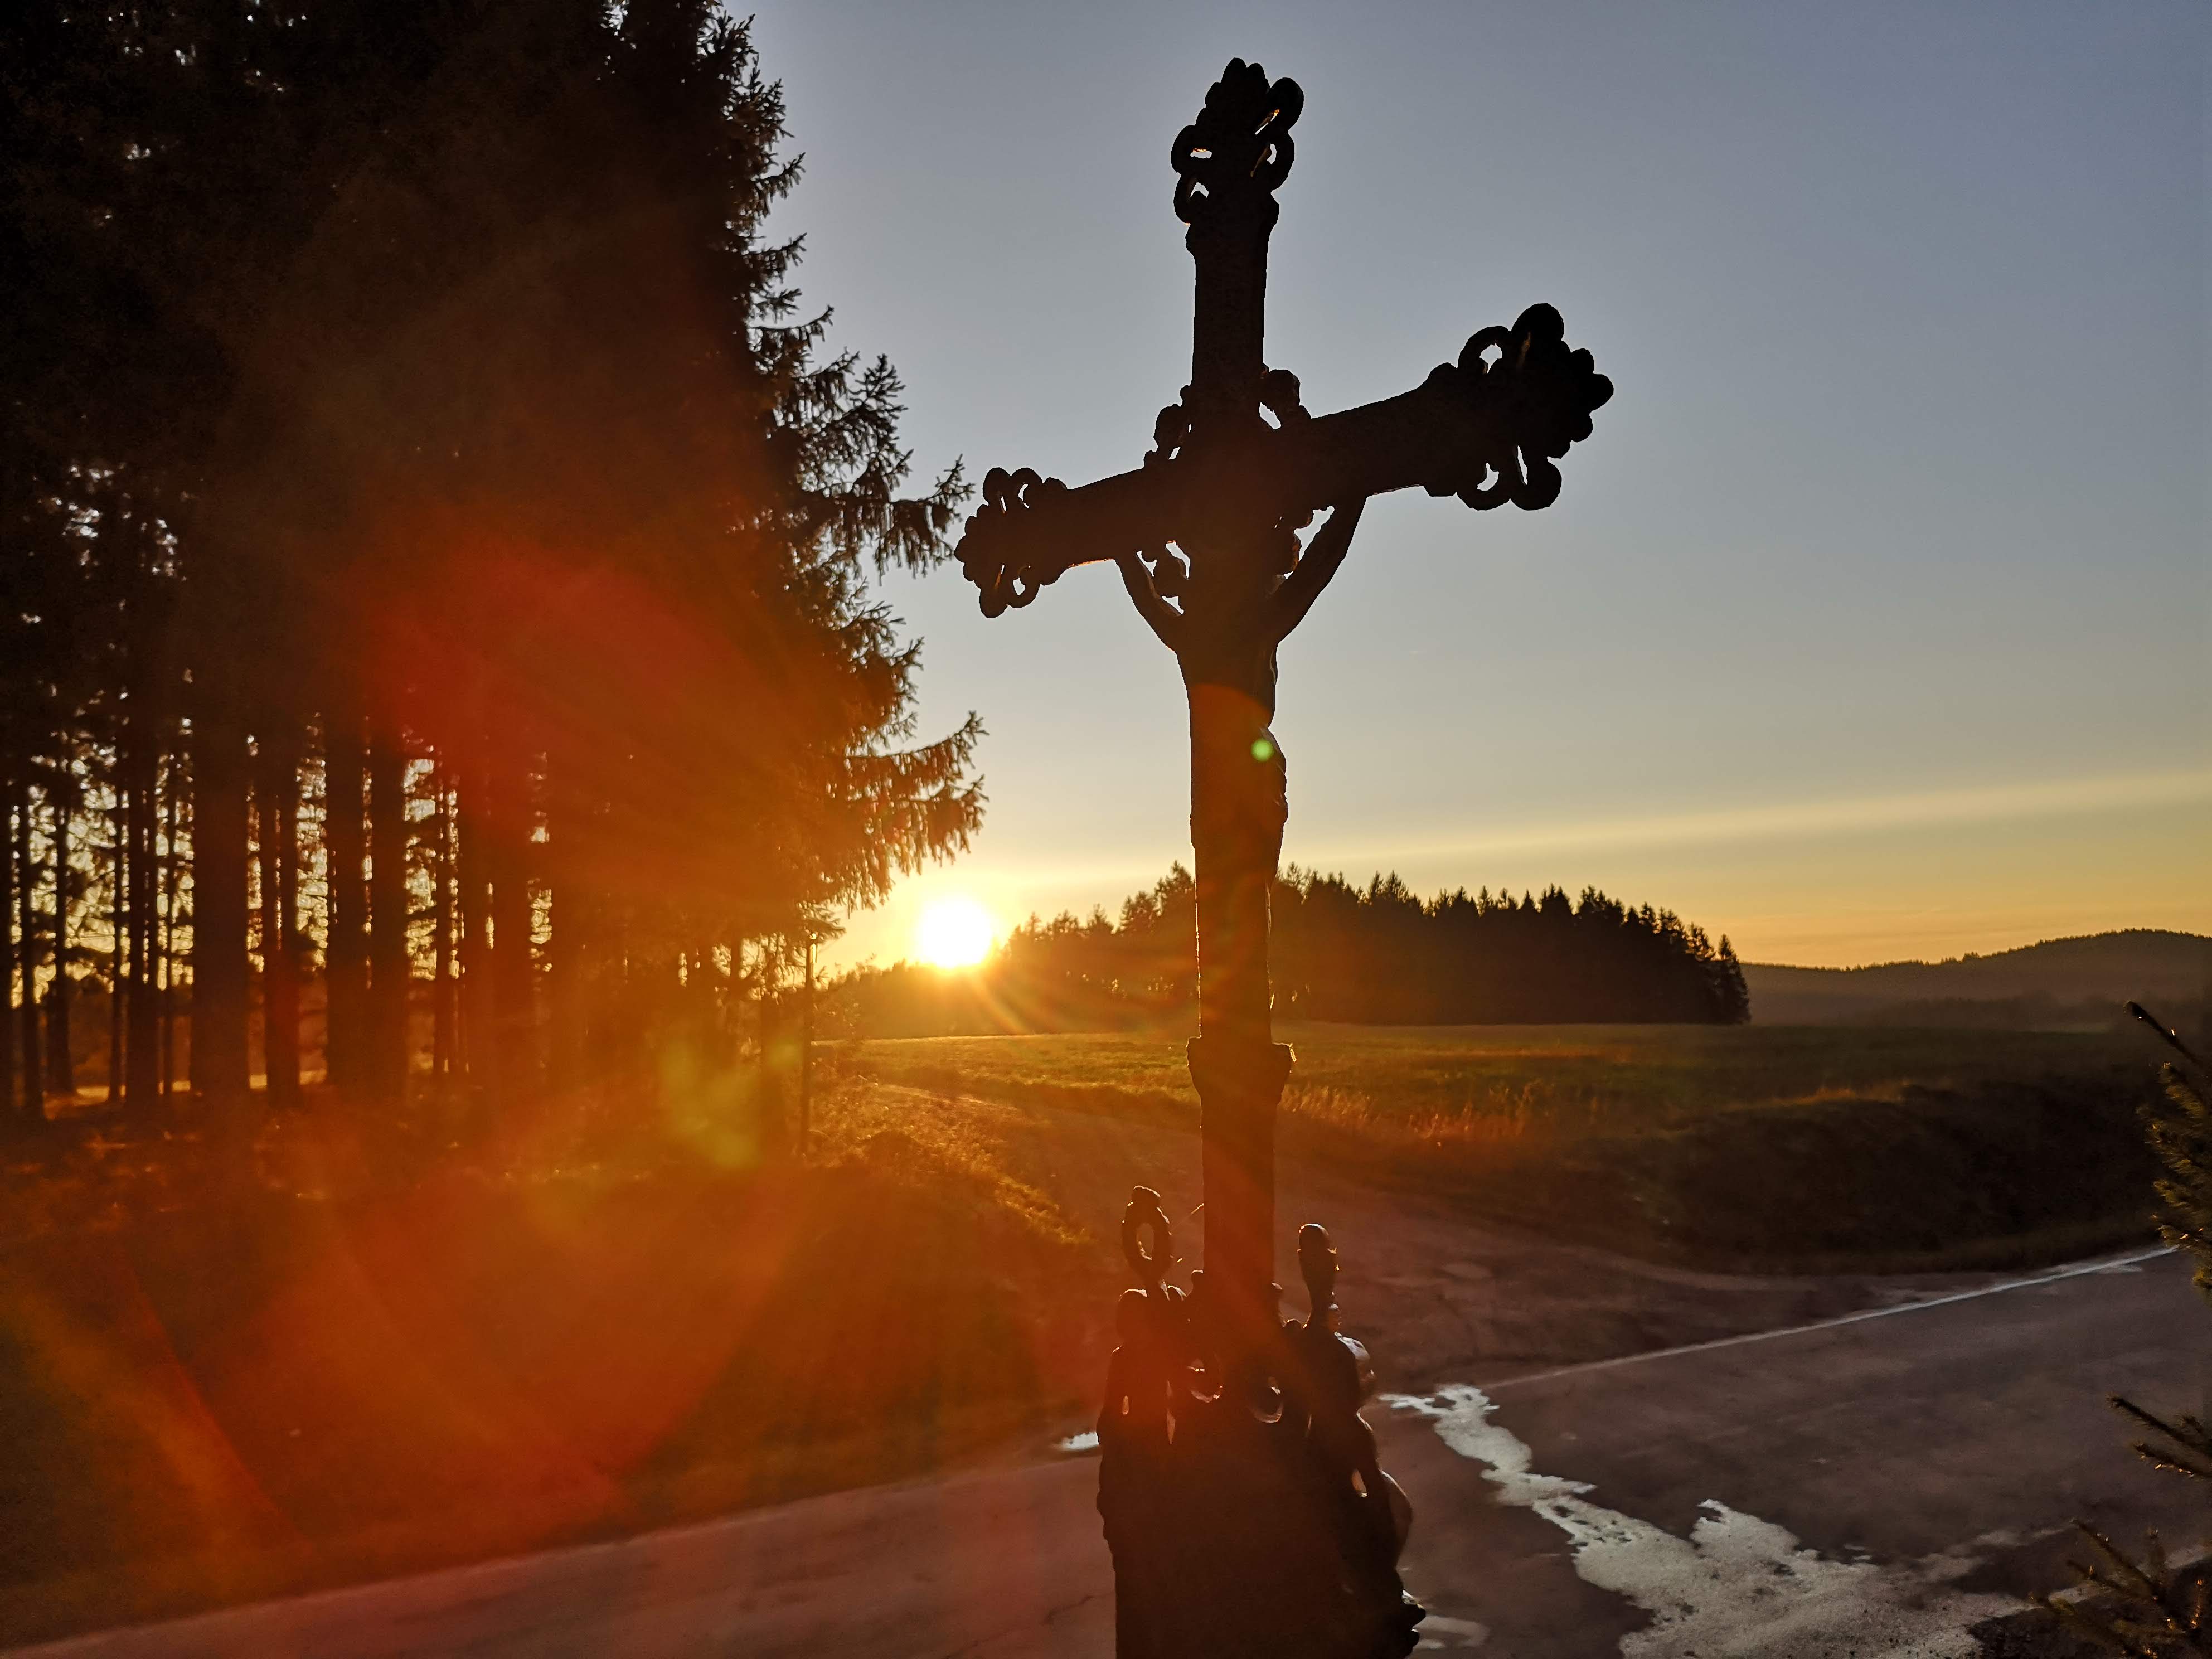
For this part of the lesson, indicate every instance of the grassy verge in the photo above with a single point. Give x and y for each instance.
(232, 1372)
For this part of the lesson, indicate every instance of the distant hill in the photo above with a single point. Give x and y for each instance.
(2061, 981)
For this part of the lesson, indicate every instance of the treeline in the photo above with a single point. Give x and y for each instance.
(434, 544)
(1374, 955)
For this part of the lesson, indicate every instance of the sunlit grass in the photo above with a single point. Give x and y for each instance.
(1727, 1145)
(877, 1130)
(1497, 1085)
(1507, 1116)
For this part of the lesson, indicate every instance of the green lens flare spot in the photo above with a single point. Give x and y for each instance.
(1262, 751)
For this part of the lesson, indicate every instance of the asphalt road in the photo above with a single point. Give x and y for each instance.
(1867, 1486)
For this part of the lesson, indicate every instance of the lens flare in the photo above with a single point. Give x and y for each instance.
(954, 932)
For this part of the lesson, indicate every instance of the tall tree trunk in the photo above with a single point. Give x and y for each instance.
(346, 950)
(279, 792)
(26, 916)
(142, 1013)
(118, 915)
(513, 978)
(442, 1011)
(61, 1057)
(568, 912)
(261, 901)
(479, 1055)
(11, 1112)
(806, 1050)
(286, 1064)
(386, 1070)
(219, 887)
(171, 873)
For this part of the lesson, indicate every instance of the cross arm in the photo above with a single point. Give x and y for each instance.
(1486, 428)
(1488, 431)
(1032, 531)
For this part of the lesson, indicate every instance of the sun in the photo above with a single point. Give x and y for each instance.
(954, 932)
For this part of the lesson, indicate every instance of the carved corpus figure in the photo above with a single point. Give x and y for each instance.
(1239, 1487)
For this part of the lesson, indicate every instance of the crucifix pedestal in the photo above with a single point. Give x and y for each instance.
(1239, 1487)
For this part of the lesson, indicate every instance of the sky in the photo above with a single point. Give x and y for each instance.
(1874, 621)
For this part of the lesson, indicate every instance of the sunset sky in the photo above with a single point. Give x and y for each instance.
(1873, 620)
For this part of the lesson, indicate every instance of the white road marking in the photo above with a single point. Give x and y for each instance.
(1737, 1586)
(2075, 1270)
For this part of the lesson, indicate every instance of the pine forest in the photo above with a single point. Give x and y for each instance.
(434, 617)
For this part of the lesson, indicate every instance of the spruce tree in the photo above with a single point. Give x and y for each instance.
(2155, 1608)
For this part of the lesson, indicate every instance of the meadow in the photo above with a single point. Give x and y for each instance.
(1730, 1145)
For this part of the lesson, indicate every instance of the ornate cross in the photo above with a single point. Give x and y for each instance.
(1235, 1468)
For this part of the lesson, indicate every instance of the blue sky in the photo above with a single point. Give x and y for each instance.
(1872, 621)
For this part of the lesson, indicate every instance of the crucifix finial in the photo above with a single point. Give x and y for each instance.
(1238, 151)
(1489, 428)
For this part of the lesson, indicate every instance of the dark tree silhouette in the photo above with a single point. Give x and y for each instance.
(1377, 955)
(394, 396)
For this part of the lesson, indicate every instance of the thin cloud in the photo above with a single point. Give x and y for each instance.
(2001, 803)
(1992, 803)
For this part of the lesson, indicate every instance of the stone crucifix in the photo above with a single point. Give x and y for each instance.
(1206, 534)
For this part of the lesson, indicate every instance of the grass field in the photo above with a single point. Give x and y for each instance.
(1745, 1143)
(1453, 1077)
(339, 1345)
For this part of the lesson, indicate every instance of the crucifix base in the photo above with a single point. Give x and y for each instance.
(1247, 1515)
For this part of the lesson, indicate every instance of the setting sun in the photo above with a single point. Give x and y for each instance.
(954, 932)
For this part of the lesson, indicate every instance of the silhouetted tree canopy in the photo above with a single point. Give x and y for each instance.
(1378, 955)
